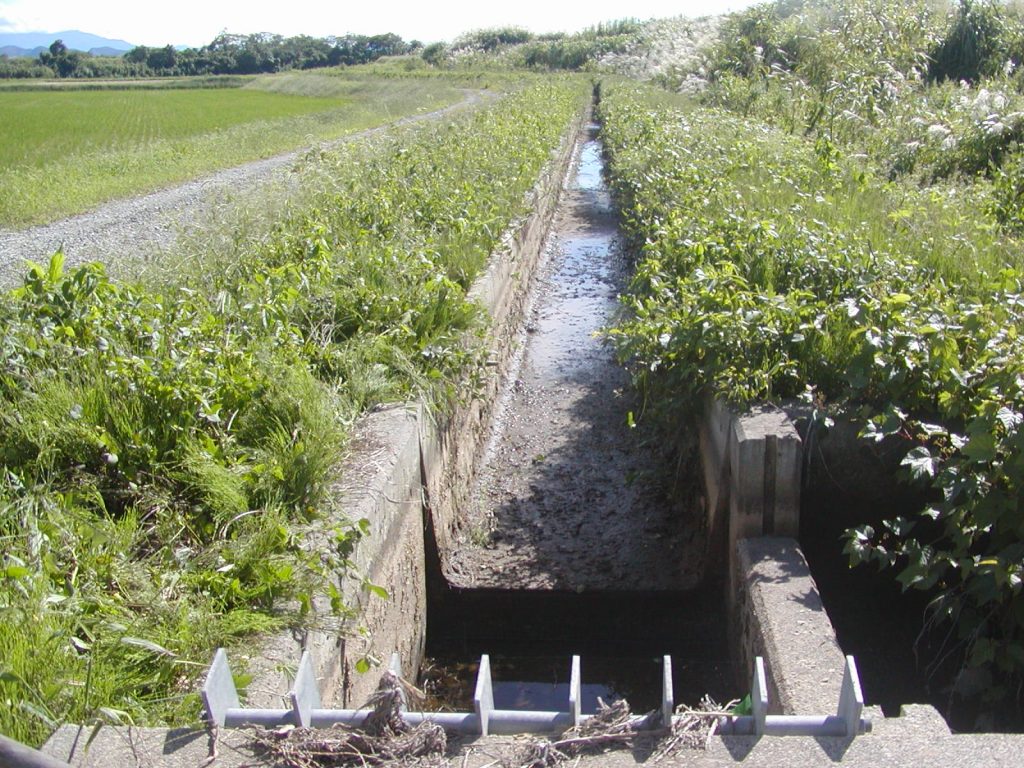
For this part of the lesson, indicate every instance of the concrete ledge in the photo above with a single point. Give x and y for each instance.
(777, 614)
(751, 473)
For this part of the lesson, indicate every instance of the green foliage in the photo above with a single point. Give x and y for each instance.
(166, 447)
(435, 53)
(227, 54)
(490, 40)
(1007, 203)
(515, 48)
(831, 68)
(772, 268)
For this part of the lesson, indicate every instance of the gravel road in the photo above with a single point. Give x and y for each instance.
(145, 226)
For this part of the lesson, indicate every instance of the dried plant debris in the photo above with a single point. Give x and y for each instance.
(384, 738)
(340, 746)
(612, 726)
(692, 728)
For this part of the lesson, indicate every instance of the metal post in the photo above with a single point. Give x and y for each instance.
(304, 695)
(759, 696)
(483, 697)
(219, 692)
(14, 754)
(575, 691)
(667, 696)
(851, 700)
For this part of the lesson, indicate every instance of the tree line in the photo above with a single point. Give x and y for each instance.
(227, 54)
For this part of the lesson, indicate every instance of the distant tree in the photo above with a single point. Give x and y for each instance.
(488, 40)
(435, 54)
(137, 55)
(226, 54)
(162, 59)
(63, 62)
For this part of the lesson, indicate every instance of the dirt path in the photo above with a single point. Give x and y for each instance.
(143, 227)
(569, 497)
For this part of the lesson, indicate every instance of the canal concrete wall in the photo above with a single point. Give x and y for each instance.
(452, 442)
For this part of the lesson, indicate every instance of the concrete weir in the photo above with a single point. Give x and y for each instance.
(410, 472)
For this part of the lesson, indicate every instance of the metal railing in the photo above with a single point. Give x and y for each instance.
(223, 708)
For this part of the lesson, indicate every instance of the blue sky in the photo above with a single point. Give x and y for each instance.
(196, 22)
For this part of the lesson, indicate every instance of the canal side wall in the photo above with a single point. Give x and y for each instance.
(408, 465)
(752, 470)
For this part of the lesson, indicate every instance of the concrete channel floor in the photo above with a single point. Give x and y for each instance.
(914, 739)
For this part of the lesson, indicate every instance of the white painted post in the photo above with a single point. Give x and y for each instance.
(667, 694)
(851, 699)
(759, 696)
(575, 691)
(483, 697)
(305, 694)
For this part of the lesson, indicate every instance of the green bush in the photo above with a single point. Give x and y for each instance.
(773, 268)
(979, 42)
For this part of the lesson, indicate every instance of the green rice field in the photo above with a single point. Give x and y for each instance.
(41, 126)
(64, 152)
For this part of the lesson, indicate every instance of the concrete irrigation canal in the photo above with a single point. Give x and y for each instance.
(569, 497)
(538, 555)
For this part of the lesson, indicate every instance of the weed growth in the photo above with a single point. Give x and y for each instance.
(771, 267)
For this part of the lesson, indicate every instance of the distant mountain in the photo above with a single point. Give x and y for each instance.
(107, 51)
(31, 43)
(13, 51)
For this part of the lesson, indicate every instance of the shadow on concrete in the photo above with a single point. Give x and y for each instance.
(835, 748)
(739, 747)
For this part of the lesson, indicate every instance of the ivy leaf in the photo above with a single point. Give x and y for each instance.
(981, 447)
(920, 463)
(1009, 419)
(377, 590)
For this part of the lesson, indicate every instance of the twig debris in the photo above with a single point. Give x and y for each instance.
(384, 738)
